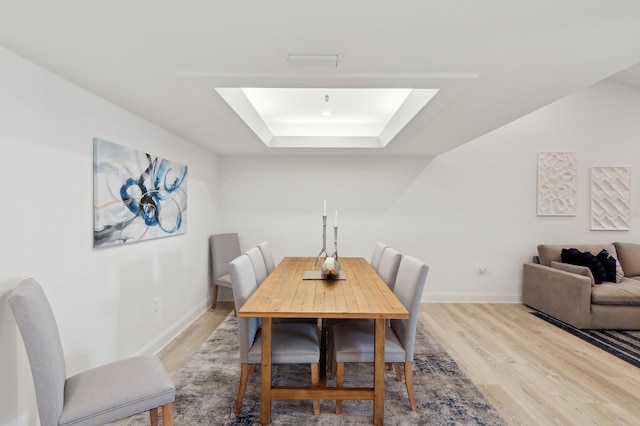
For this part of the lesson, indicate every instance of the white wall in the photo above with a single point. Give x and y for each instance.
(475, 205)
(102, 298)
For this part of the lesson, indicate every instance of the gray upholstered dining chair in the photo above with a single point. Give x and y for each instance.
(267, 254)
(376, 256)
(385, 261)
(224, 248)
(93, 397)
(292, 343)
(257, 261)
(353, 341)
(389, 264)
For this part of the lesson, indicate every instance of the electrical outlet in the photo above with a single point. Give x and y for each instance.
(156, 305)
(481, 269)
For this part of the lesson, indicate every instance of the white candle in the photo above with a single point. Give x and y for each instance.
(335, 222)
(324, 211)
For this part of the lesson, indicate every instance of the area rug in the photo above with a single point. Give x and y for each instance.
(207, 385)
(622, 343)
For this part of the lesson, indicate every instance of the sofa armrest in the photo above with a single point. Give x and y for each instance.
(563, 295)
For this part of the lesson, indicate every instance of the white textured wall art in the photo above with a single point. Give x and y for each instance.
(610, 198)
(557, 192)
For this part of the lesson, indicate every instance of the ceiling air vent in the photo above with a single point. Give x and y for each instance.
(314, 60)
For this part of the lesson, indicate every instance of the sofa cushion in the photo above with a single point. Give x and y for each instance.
(620, 272)
(629, 257)
(549, 252)
(611, 266)
(627, 292)
(575, 269)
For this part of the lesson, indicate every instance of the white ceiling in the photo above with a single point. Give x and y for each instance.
(493, 61)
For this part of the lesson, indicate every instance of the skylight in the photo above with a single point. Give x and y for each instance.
(322, 112)
(326, 117)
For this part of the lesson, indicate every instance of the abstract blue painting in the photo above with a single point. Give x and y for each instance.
(137, 196)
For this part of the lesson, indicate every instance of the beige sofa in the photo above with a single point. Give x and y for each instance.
(568, 293)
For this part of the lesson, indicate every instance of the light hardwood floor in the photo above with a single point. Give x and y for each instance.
(176, 353)
(531, 371)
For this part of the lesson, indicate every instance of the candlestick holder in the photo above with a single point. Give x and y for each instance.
(331, 265)
(323, 253)
(335, 245)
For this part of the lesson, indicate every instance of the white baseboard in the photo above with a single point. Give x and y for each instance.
(157, 344)
(471, 298)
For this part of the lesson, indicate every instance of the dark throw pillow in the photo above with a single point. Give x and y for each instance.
(571, 256)
(592, 262)
(576, 257)
(609, 264)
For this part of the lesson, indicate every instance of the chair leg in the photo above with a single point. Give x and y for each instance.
(214, 301)
(339, 383)
(167, 414)
(408, 377)
(330, 363)
(315, 380)
(396, 367)
(244, 375)
(153, 415)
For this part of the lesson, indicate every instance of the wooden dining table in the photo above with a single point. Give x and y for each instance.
(289, 293)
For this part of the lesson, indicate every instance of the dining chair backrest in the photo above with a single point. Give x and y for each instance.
(39, 330)
(389, 265)
(224, 248)
(412, 276)
(267, 254)
(376, 257)
(257, 261)
(243, 281)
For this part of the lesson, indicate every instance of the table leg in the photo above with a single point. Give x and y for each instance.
(265, 373)
(378, 374)
(323, 353)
